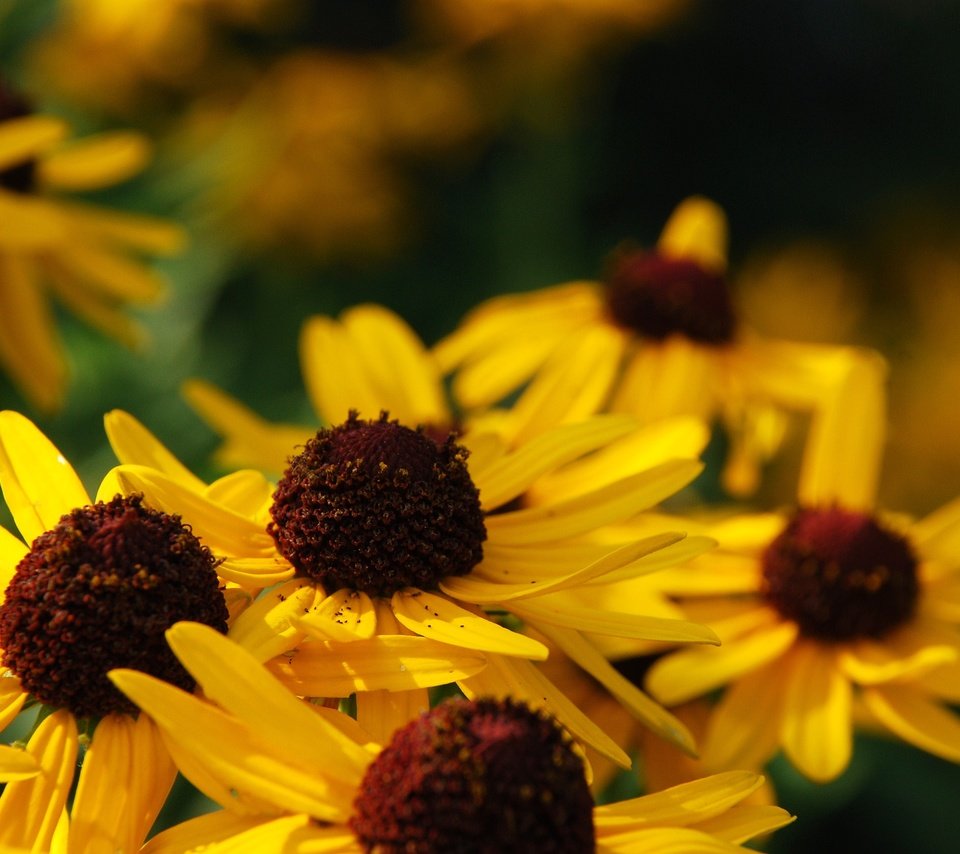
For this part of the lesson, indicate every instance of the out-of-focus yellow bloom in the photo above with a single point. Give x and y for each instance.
(80, 254)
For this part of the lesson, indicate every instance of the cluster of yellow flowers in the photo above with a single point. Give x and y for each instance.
(484, 582)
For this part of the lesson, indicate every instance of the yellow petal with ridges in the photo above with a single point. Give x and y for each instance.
(31, 809)
(612, 503)
(12, 698)
(247, 492)
(916, 718)
(12, 551)
(292, 833)
(24, 138)
(439, 619)
(197, 834)
(665, 840)
(234, 754)
(134, 444)
(17, 764)
(817, 712)
(39, 485)
(255, 571)
(688, 673)
(743, 822)
(521, 679)
(513, 474)
(95, 161)
(265, 629)
(386, 662)
(343, 616)
(236, 682)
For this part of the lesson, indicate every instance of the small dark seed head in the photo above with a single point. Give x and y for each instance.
(657, 296)
(20, 177)
(98, 591)
(840, 575)
(483, 776)
(375, 506)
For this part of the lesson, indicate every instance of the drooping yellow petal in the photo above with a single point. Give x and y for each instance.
(697, 230)
(612, 503)
(126, 776)
(386, 662)
(521, 679)
(234, 754)
(381, 713)
(513, 474)
(817, 712)
(651, 714)
(439, 619)
(23, 138)
(225, 531)
(95, 161)
(343, 616)
(266, 629)
(916, 719)
(39, 485)
(31, 809)
(398, 364)
(744, 822)
(689, 673)
(134, 444)
(198, 833)
(235, 680)
(29, 345)
(17, 764)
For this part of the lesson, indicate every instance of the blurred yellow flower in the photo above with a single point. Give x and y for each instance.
(80, 254)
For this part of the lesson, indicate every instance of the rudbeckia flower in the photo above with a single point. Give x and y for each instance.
(95, 589)
(659, 337)
(77, 253)
(490, 773)
(832, 607)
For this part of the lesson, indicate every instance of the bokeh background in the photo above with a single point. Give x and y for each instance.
(427, 154)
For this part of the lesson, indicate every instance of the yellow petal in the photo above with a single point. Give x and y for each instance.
(697, 229)
(94, 310)
(126, 776)
(266, 629)
(233, 754)
(31, 809)
(521, 679)
(612, 503)
(284, 835)
(255, 571)
(665, 840)
(246, 492)
(235, 681)
(386, 662)
(916, 719)
(110, 273)
(868, 663)
(95, 161)
(381, 713)
(17, 764)
(817, 713)
(343, 616)
(439, 619)
(12, 551)
(689, 673)
(39, 485)
(134, 444)
(12, 698)
(127, 230)
(24, 138)
(197, 833)
(746, 821)
(513, 474)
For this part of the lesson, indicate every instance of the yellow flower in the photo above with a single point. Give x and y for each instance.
(834, 604)
(77, 253)
(658, 338)
(292, 776)
(95, 589)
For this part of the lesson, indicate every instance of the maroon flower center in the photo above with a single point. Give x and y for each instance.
(657, 296)
(376, 506)
(98, 591)
(483, 776)
(840, 575)
(20, 177)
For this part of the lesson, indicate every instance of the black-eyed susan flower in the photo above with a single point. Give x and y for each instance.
(96, 588)
(81, 255)
(834, 605)
(659, 337)
(490, 773)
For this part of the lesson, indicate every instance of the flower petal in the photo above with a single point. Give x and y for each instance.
(17, 764)
(24, 138)
(95, 161)
(343, 616)
(381, 713)
(697, 229)
(134, 444)
(266, 628)
(204, 830)
(746, 821)
(916, 719)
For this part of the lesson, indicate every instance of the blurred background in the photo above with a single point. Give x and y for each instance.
(427, 154)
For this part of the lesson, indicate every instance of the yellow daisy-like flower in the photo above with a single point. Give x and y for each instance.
(835, 604)
(658, 338)
(494, 773)
(95, 589)
(77, 253)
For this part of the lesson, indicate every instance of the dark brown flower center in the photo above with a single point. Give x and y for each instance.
(657, 296)
(840, 575)
(483, 776)
(375, 506)
(98, 591)
(20, 177)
